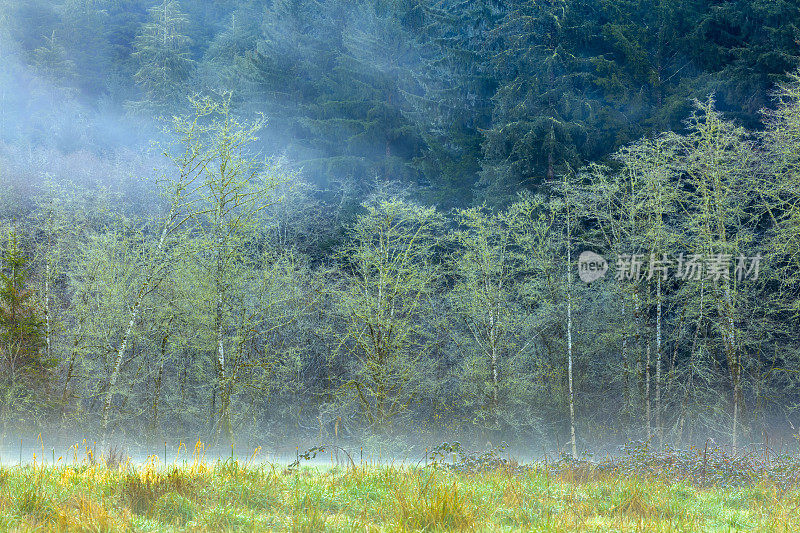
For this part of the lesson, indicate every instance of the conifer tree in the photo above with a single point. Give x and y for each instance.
(455, 83)
(21, 323)
(51, 59)
(83, 30)
(221, 67)
(161, 51)
(539, 120)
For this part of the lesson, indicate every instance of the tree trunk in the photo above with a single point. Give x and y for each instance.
(493, 347)
(70, 370)
(659, 430)
(690, 382)
(734, 364)
(48, 326)
(154, 424)
(648, 416)
(224, 424)
(626, 392)
(641, 393)
(112, 382)
(569, 347)
(145, 288)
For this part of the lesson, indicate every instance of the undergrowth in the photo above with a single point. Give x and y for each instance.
(466, 492)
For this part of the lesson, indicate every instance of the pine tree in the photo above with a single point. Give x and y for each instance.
(332, 76)
(749, 45)
(539, 118)
(51, 60)
(84, 30)
(371, 75)
(220, 69)
(456, 84)
(161, 52)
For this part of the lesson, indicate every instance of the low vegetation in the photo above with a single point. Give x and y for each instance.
(567, 495)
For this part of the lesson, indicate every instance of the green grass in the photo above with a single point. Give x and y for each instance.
(234, 496)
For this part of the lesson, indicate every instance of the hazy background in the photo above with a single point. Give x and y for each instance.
(445, 104)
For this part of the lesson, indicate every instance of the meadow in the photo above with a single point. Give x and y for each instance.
(694, 491)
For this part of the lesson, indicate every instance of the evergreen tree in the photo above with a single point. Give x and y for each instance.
(220, 69)
(539, 120)
(332, 75)
(161, 51)
(370, 75)
(456, 84)
(84, 31)
(749, 46)
(52, 61)
(21, 323)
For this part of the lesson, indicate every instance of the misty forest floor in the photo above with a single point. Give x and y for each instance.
(92, 496)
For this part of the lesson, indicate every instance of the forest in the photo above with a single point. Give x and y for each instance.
(277, 222)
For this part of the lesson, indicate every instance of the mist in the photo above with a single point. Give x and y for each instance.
(279, 225)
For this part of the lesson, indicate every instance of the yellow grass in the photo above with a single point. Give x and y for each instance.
(88, 496)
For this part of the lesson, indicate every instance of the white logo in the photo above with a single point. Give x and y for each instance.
(591, 266)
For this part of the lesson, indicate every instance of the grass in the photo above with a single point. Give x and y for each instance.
(99, 496)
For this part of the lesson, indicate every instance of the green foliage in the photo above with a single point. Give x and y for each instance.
(538, 118)
(751, 44)
(51, 59)
(21, 323)
(248, 296)
(779, 193)
(492, 297)
(387, 276)
(333, 76)
(453, 105)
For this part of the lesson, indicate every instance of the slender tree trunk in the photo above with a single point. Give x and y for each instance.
(212, 418)
(70, 370)
(112, 382)
(48, 325)
(648, 416)
(157, 391)
(734, 364)
(569, 343)
(624, 357)
(690, 381)
(220, 366)
(224, 424)
(641, 399)
(134, 314)
(493, 362)
(659, 430)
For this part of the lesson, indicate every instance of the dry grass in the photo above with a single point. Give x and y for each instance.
(90, 496)
(428, 501)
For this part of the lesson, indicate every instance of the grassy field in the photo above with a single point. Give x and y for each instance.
(94, 496)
